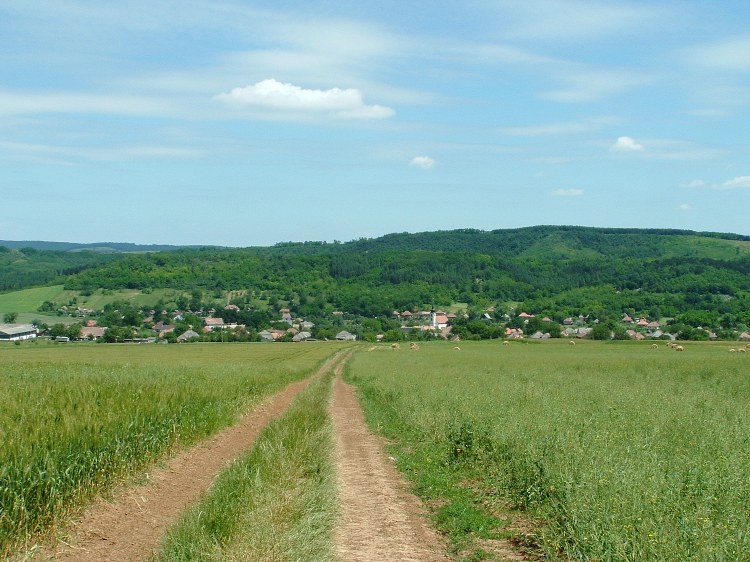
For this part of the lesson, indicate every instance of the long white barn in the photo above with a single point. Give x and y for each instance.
(17, 332)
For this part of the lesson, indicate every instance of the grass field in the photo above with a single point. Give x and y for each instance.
(75, 419)
(602, 451)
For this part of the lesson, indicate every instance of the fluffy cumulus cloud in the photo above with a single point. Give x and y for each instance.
(423, 162)
(626, 144)
(272, 94)
(567, 192)
(740, 182)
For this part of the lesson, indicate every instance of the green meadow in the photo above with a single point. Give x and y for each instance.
(77, 419)
(599, 451)
(29, 300)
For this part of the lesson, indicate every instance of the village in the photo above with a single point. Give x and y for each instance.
(176, 326)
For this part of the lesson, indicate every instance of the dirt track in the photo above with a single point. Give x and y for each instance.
(379, 519)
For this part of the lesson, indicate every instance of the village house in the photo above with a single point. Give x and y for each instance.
(92, 332)
(438, 320)
(162, 329)
(210, 323)
(271, 335)
(345, 336)
(187, 336)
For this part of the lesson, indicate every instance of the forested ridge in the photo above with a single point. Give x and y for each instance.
(558, 271)
(28, 267)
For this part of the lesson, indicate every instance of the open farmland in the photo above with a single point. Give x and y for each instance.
(77, 419)
(599, 451)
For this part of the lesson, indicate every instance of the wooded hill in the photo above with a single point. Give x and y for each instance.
(703, 279)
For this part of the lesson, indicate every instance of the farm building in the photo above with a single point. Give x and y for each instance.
(17, 332)
(345, 336)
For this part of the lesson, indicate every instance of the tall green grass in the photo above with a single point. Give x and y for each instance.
(76, 419)
(621, 452)
(275, 503)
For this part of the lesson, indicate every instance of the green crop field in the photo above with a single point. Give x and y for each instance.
(76, 419)
(599, 451)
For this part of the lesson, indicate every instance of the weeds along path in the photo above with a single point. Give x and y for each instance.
(379, 520)
(130, 527)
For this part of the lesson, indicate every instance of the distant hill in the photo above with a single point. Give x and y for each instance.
(545, 269)
(541, 241)
(558, 271)
(104, 247)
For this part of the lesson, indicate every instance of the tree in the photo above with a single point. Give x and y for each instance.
(73, 331)
(601, 332)
(10, 317)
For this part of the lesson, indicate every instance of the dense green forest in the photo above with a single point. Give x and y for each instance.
(701, 279)
(29, 267)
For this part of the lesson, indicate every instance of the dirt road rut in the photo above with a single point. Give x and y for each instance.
(380, 520)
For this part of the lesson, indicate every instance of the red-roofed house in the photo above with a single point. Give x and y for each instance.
(92, 332)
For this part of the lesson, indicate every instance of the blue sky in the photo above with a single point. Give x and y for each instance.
(250, 123)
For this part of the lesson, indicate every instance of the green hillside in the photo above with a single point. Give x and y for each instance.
(702, 279)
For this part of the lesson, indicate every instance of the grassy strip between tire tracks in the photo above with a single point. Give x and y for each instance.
(277, 502)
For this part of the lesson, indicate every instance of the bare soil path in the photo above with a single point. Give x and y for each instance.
(129, 527)
(380, 520)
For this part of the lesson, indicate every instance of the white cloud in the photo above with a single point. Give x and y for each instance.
(582, 85)
(568, 192)
(67, 102)
(693, 184)
(549, 129)
(626, 144)
(576, 19)
(732, 54)
(740, 182)
(685, 207)
(424, 162)
(271, 93)
(67, 153)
